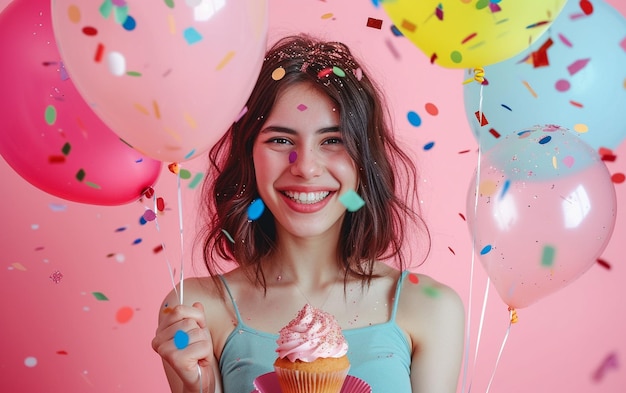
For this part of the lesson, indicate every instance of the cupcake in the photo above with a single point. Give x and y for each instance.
(311, 354)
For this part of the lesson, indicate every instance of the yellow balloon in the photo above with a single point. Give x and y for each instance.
(472, 33)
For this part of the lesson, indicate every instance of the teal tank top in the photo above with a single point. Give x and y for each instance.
(378, 354)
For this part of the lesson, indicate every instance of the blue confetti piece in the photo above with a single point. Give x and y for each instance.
(545, 140)
(429, 146)
(191, 35)
(505, 188)
(129, 24)
(414, 119)
(256, 208)
(137, 241)
(395, 31)
(181, 339)
(142, 221)
(485, 249)
(507, 107)
(190, 154)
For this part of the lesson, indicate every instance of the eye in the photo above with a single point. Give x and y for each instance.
(333, 141)
(279, 141)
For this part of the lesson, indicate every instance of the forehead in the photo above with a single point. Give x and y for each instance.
(305, 100)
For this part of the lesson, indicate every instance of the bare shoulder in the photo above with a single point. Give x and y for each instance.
(427, 305)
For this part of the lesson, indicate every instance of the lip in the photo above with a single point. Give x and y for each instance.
(306, 208)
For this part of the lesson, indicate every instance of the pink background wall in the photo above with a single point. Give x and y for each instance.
(58, 337)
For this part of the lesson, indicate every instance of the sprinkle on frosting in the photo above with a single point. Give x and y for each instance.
(312, 334)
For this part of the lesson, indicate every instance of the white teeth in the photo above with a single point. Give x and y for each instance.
(307, 197)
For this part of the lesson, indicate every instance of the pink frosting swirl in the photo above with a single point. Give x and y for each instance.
(312, 334)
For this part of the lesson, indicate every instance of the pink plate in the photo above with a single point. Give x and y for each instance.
(268, 383)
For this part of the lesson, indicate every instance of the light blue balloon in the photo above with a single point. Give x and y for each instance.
(583, 87)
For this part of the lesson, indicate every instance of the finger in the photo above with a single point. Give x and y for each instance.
(200, 307)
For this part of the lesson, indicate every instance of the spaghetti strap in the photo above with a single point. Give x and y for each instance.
(396, 297)
(231, 298)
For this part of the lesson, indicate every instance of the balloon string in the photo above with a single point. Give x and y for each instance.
(481, 75)
(512, 319)
(182, 242)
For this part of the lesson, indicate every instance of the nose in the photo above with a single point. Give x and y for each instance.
(307, 164)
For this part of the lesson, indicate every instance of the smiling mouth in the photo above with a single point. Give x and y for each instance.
(306, 198)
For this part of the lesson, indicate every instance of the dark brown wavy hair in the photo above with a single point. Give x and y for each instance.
(375, 232)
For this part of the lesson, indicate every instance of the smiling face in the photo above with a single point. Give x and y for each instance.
(301, 164)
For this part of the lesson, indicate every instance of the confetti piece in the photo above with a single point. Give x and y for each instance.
(66, 148)
(56, 277)
(230, 238)
(481, 118)
(562, 85)
(468, 38)
(439, 11)
(414, 119)
(160, 202)
(586, 7)
(278, 73)
(229, 56)
(565, 41)
(568, 161)
(181, 339)
(293, 156)
(61, 352)
(431, 109)
(124, 314)
(413, 278)
(149, 215)
(129, 24)
(191, 35)
(547, 256)
(505, 188)
(610, 362)
(73, 13)
(157, 249)
(456, 57)
(196, 180)
(577, 66)
(256, 208)
(451, 250)
(57, 207)
(431, 291)
(576, 104)
(352, 201)
(137, 241)
(327, 15)
(80, 175)
(530, 89)
(30, 361)
(506, 107)
(18, 266)
(149, 192)
(545, 140)
(374, 23)
(325, 72)
(395, 31)
(302, 107)
(339, 72)
(99, 296)
(50, 115)
(540, 56)
(618, 178)
(495, 133)
(56, 159)
(485, 249)
(462, 216)
(185, 174)
(173, 167)
(99, 53)
(603, 263)
(394, 52)
(429, 146)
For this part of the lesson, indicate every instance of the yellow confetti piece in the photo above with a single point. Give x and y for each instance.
(530, 89)
(157, 111)
(171, 22)
(487, 187)
(18, 266)
(141, 108)
(278, 73)
(190, 120)
(581, 128)
(229, 56)
(555, 163)
(73, 13)
(172, 133)
(327, 15)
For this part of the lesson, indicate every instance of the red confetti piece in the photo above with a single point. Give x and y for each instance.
(124, 314)
(618, 178)
(576, 104)
(540, 56)
(609, 157)
(439, 12)
(325, 72)
(61, 352)
(586, 7)
(481, 118)
(468, 38)
(451, 250)
(538, 24)
(56, 159)
(160, 204)
(90, 31)
(495, 133)
(413, 278)
(431, 109)
(157, 249)
(433, 58)
(99, 53)
(603, 263)
(374, 23)
(462, 216)
(464, 151)
(149, 192)
(173, 167)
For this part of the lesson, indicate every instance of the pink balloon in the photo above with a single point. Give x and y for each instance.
(169, 77)
(545, 211)
(48, 134)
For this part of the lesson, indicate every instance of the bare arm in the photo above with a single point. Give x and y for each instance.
(434, 318)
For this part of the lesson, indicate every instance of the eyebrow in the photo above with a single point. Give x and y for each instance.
(290, 131)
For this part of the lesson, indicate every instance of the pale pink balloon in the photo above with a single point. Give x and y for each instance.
(545, 211)
(48, 133)
(169, 77)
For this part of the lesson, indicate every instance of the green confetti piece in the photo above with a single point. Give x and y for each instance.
(93, 185)
(50, 115)
(99, 296)
(352, 201)
(121, 13)
(133, 73)
(230, 238)
(185, 174)
(339, 72)
(431, 291)
(66, 148)
(80, 175)
(547, 256)
(169, 3)
(106, 8)
(196, 180)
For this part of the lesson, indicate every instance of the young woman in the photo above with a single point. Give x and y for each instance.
(314, 136)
